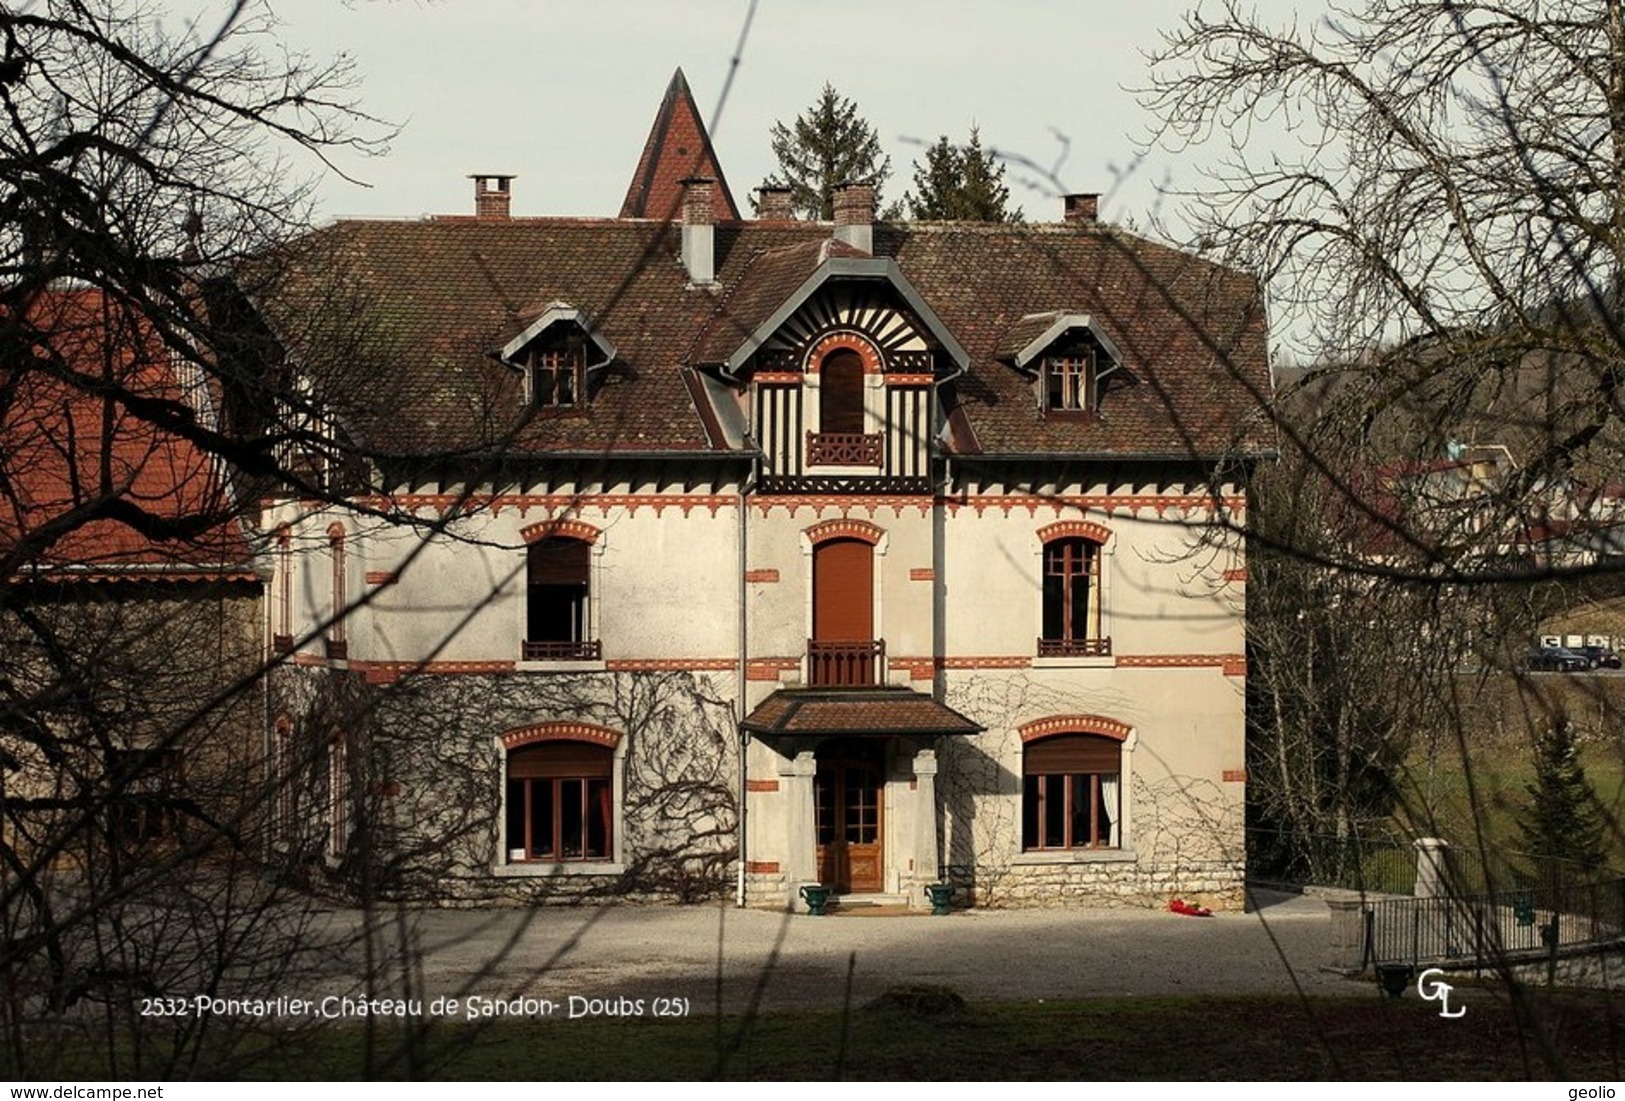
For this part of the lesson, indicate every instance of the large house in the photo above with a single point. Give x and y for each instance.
(709, 553)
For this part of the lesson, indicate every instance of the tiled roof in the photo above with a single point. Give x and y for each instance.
(855, 711)
(678, 147)
(439, 296)
(90, 488)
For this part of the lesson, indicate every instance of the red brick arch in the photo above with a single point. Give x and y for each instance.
(1075, 529)
(561, 732)
(1056, 725)
(845, 341)
(560, 529)
(844, 529)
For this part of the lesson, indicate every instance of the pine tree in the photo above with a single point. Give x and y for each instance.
(829, 144)
(960, 183)
(1562, 819)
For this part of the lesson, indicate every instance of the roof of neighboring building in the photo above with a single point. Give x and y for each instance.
(855, 711)
(89, 488)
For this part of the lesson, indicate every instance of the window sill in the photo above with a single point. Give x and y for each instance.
(541, 869)
(1077, 661)
(560, 666)
(1077, 856)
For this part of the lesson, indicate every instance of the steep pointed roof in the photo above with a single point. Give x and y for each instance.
(678, 147)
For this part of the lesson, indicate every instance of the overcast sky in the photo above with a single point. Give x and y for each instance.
(562, 93)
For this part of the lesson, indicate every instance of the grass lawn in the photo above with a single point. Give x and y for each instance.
(1498, 794)
(1140, 1038)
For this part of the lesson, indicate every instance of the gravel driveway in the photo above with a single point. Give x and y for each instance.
(746, 957)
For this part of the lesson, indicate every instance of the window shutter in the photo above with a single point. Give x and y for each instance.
(558, 562)
(1073, 753)
(560, 760)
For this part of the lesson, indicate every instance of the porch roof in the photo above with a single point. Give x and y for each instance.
(855, 711)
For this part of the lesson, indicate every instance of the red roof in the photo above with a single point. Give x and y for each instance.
(90, 487)
(678, 147)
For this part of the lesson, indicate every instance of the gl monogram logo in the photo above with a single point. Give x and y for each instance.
(1432, 990)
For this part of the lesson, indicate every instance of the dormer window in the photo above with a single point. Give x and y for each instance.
(1069, 382)
(558, 354)
(556, 376)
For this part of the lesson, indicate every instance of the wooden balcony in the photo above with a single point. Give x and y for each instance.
(845, 663)
(584, 650)
(1074, 647)
(845, 448)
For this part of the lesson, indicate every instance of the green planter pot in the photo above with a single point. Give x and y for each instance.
(941, 896)
(816, 898)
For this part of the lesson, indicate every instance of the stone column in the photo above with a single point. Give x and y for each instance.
(1347, 933)
(1432, 856)
(800, 855)
(924, 852)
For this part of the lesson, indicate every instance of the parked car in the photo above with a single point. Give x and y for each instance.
(1599, 657)
(1556, 659)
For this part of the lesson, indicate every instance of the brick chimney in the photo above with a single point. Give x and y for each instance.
(699, 233)
(1082, 208)
(492, 195)
(855, 215)
(773, 203)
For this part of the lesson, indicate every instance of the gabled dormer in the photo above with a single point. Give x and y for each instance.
(559, 354)
(1069, 359)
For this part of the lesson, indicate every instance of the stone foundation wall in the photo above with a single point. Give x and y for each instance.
(1216, 884)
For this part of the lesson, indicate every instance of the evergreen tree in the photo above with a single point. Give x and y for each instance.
(1562, 818)
(829, 144)
(960, 183)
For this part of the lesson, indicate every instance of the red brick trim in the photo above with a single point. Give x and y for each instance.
(762, 576)
(1235, 776)
(669, 665)
(549, 502)
(762, 867)
(1073, 724)
(381, 577)
(845, 528)
(1110, 503)
(922, 574)
(1074, 529)
(793, 502)
(561, 529)
(849, 341)
(776, 376)
(918, 668)
(1238, 574)
(769, 668)
(1235, 666)
(561, 732)
(909, 380)
(761, 785)
(1177, 661)
(388, 672)
(993, 662)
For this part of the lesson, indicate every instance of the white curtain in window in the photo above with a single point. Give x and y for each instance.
(1108, 800)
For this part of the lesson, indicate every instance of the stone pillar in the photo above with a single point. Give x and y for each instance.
(801, 839)
(1432, 858)
(1347, 934)
(923, 851)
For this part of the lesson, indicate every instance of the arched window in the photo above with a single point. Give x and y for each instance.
(282, 633)
(840, 392)
(558, 601)
(1071, 795)
(336, 646)
(560, 802)
(338, 794)
(1072, 603)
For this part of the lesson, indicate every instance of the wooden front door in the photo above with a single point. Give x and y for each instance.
(847, 792)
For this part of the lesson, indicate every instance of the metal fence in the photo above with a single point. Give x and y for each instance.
(1484, 929)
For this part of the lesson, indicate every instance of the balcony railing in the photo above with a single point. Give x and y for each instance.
(585, 650)
(845, 448)
(1074, 647)
(845, 663)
